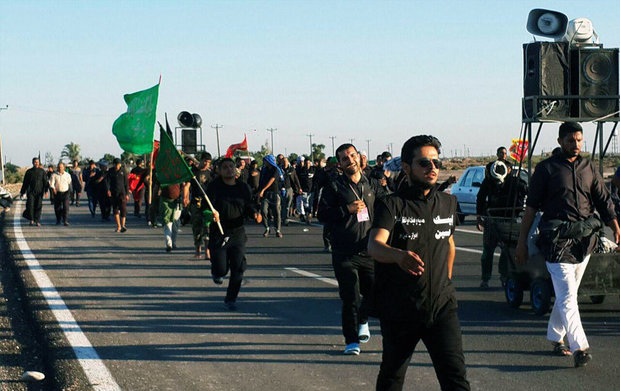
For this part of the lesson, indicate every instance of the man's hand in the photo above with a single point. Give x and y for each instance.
(521, 254)
(258, 218)
(356, 206)
(480, 223)
(411, 263)
(216, 216)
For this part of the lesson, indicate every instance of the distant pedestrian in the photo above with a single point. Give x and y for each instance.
(35, 186)
(61, 187)
(136, 181)
(291, 185)
(77, 183)
(50, 171)
(269, 194)
(118, 191)
(501, 195)
(198, 205)
(90, 185)
(304, 201)
(173, 198)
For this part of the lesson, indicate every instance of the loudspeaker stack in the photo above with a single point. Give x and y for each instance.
(564, 83)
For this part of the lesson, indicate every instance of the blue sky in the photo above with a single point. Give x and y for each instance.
(363, 70)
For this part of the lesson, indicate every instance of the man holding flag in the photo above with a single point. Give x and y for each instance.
(173, 175)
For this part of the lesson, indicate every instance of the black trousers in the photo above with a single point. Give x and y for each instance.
(355, 275)
(34, 205)
(230, 255)
(443, 342)
(61, 206)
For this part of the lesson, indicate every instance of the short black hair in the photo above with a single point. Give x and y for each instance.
(385, 155)
(500, 149)
(568, 128)
(416, 142)
(204, 155)
(225, 159)
(343, 147)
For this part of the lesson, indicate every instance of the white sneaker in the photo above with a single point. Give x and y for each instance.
(364, 334)
(352, 349)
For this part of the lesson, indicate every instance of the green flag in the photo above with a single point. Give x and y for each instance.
(170, 167)
(134, 129)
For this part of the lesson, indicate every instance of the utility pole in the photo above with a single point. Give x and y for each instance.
(310, 137)
(217, 127)
(272, 130)
(2, 161)
(368, 147)
(332, 138)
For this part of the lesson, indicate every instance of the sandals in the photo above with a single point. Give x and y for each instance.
(560, 349)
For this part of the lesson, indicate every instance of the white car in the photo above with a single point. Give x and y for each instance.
(466, 190)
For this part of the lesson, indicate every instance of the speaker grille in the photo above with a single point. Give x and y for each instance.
(546, 74)
(188, 141)
(595, 78)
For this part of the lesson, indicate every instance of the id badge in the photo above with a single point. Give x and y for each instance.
(363, 215)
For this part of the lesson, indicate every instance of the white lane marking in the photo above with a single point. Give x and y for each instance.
(96, 371)
(330, 281)
(469, 231)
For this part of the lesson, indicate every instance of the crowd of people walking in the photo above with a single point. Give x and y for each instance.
(389, 232)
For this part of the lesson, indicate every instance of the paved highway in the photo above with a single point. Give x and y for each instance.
(138, 318)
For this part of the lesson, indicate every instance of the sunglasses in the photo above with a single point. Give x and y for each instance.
(426, 163)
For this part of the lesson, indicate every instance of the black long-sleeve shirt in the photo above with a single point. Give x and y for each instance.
(569, 191)
(347, 234)
(35, 181)
(233, 203)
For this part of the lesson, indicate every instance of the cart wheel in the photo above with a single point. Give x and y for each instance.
(598, 299)
(540, 296)
(514, 293)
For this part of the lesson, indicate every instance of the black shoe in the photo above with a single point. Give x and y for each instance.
(218, 280)
(230, 305)
(484, 285)
(57, 222)
(168, 249)
(123, 229)
(66, 224)
(581, 358)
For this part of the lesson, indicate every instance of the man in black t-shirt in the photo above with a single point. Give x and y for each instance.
(269, 194)
(232, 201)
(412, 241)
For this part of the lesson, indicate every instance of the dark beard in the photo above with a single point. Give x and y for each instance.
(421, 185)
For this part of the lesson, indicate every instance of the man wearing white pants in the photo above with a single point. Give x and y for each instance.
(568, 190)
(566, 278)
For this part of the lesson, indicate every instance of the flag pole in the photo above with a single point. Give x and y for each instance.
(208, 202)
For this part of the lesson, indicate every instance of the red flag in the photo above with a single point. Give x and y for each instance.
(518, 149)
(243, 146)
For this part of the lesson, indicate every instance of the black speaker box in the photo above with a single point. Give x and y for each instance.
(595, 77)
(188, 140)
(546, 77)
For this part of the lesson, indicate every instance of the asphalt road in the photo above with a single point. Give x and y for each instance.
(139, 318)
